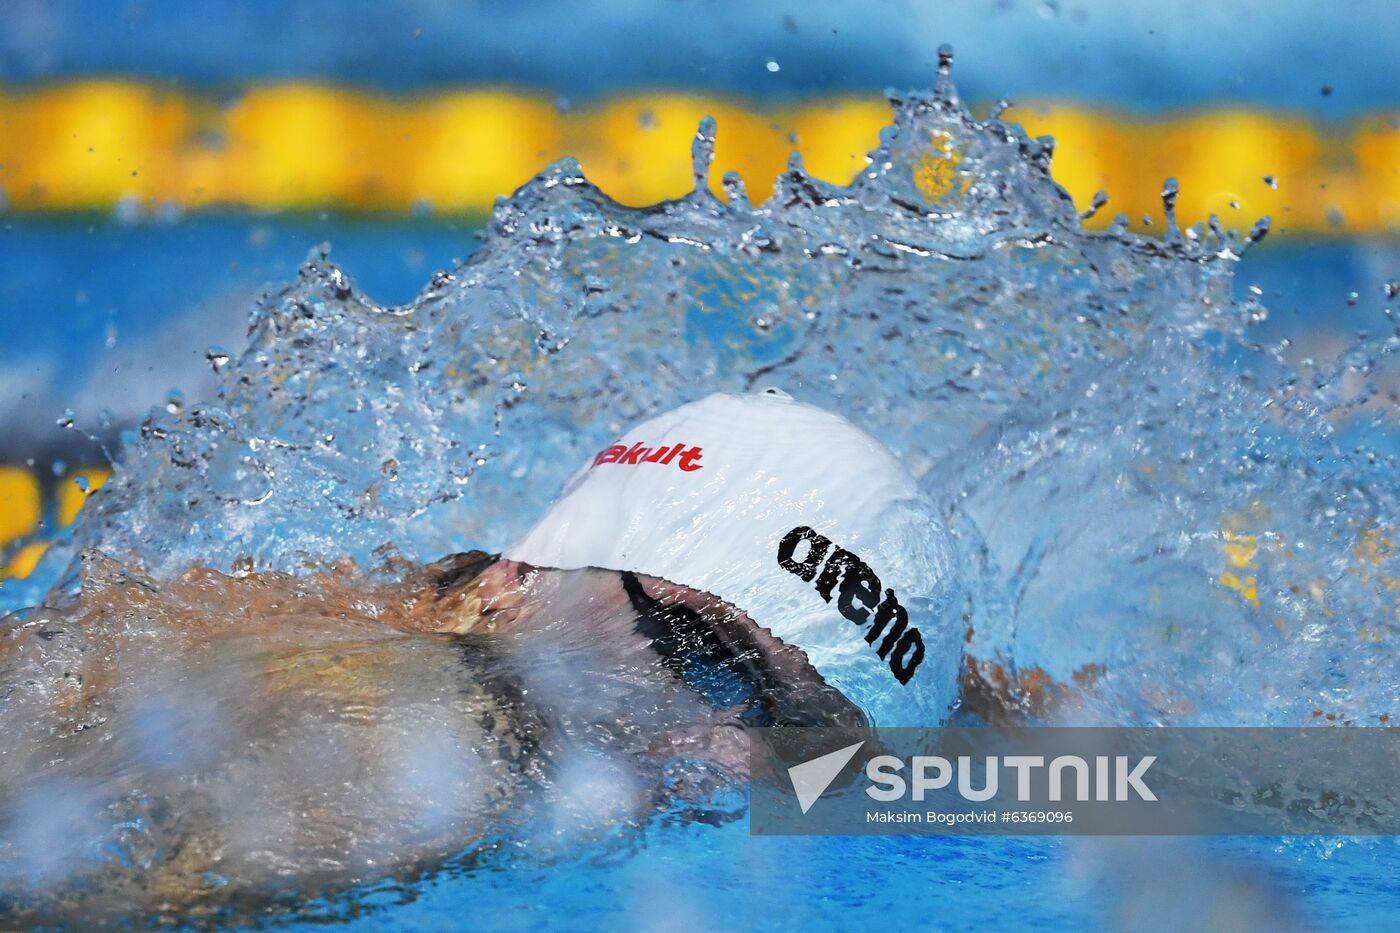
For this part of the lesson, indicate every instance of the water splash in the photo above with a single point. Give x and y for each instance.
(1168, 519)
(1126, 463)
(345, 422)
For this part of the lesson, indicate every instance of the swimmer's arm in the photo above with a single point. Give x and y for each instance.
(452, 593)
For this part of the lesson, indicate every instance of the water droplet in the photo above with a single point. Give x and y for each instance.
(1170, 191)
(734, 189)
(66, 419)
(217, 357)
(945, 60)
(1352, 299)
(1100, 199)
(1271, 181)
(1048, 9)
(82, 483)
(702, 153)
(647, 119)
(1260, 229)
(128, 211)
(772, 66)
(1327, 90)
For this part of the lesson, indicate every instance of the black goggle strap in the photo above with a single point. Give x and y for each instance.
(693, 646)
(690, 645)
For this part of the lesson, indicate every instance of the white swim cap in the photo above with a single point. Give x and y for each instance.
(792, 514)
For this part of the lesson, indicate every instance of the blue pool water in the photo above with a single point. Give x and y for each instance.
(1097, 415)
(705, 878)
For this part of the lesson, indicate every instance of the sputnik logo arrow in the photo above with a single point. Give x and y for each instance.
(811, 778)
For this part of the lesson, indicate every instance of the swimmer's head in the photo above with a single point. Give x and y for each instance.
(795, 516)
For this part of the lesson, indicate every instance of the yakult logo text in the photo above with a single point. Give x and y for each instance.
(687, 458)
(859, 598)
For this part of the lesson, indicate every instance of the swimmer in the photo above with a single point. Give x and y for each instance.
(756, 534)
(740, 561)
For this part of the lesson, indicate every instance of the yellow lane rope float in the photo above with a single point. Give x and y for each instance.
(95, 145)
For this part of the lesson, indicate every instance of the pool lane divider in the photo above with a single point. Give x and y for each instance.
(140, 149)
(30, 513)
